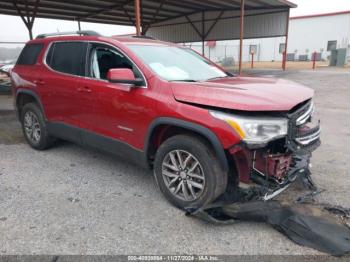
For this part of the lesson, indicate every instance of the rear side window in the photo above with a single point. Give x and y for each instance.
(67, 57)
(29, 54)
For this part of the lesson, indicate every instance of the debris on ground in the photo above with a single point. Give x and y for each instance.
(73, 200)
(322, 227)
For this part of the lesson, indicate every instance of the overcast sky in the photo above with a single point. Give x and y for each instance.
(13, 29)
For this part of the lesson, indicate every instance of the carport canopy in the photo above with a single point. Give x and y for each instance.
(170, 20)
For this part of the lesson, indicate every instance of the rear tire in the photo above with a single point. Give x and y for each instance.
(188, 173)
(34, 127)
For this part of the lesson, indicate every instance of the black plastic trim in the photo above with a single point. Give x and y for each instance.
(100, 142)
(136, 82)
(115, 147)
(207, 133)
(64, 131)
(31, 93)
(293, 132)
(81, 32)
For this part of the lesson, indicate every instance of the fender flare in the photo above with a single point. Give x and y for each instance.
(204, 131)
(31, 93)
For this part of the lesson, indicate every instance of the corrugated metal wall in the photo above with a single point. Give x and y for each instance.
(271, 23)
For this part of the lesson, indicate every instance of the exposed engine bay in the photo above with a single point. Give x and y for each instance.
(269, 169)
(264, 172)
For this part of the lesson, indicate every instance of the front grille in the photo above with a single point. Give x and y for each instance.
(306, 114)
(299, 106)
(302, 138)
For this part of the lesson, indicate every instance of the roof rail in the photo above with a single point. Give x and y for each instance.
(82, 32)
(143, 36)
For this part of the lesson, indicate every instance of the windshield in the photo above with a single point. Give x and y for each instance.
(174, 63)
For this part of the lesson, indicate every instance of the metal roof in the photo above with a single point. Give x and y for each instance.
(121, 12)
(321, 15)
(221, 25)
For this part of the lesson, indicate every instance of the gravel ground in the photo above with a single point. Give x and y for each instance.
(71, 200)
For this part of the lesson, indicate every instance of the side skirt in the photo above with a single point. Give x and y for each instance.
(99, 142)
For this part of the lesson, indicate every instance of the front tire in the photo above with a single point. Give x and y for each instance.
(34, 127)
(188, 173)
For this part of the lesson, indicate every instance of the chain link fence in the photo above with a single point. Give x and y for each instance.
(266, 53)
(228, 54)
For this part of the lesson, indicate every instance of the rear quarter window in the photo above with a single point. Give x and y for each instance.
(67, 57)
(29, 54)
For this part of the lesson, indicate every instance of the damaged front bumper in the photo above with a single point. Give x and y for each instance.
(269, 170)
(298, 169)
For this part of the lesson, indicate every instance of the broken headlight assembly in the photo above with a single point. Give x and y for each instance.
(255, 130)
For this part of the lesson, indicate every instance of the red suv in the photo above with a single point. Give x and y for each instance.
(202, 130)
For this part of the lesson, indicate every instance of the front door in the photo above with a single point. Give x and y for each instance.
(118, 110)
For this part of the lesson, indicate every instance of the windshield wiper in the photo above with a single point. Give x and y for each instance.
(183, 80)
(217, 77)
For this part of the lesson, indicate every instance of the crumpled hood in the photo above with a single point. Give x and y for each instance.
(243, 93)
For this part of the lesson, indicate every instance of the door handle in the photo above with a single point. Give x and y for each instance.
(39, 82)
(85, 89)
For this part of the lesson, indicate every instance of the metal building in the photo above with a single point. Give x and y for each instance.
(177, 21)
(307, 34)
(319, 33)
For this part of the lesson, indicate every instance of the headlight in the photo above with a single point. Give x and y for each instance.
(255, 130)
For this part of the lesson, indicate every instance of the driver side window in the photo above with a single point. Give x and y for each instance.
(103, 58)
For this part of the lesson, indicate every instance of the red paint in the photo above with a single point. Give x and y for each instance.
(278, 165)
(314, 59)
(120, 73)
(242, 158)
(286, 43)
(321, 15)
(103, 107)
(137, 17)
(244, 93)
(275, 165)
(284, 59)
(211, 43)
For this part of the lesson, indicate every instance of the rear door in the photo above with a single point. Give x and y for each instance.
(64, 101)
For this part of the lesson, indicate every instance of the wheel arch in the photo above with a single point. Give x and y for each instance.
(23, 97)
(189, 127)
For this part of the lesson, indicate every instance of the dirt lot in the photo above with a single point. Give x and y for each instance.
(71, 200)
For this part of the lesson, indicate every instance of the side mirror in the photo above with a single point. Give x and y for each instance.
(123, 76)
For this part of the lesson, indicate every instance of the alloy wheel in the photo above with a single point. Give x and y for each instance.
(32, 127)
(183, 175)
